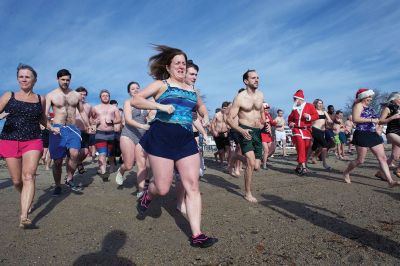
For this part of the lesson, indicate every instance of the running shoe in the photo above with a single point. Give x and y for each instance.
(202, 241)
(143, 203)
(119, 179)
(72, 185)
(57, 191)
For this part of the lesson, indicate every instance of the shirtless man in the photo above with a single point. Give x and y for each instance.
(117, 131)
(106, 116)
(85, 143)
(280, 134)
(64, 134)
(248, 106)
(220, 131)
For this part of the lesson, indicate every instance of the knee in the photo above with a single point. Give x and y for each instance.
(162, 191)
(382, 158)
(27, 177)
(57, 163)
(17, 183)
(73, 154)
(251, 164)
(128, 166)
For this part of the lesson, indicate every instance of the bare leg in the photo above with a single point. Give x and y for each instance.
(102, 163)
(72, 163)
(57, 171)
(188, 168)
(265, 154)
(379, 153)
(30, 161)
(162, 170)
(14, 166)
(141, 158)
(127, 149)
(361, 153)
(248, 175)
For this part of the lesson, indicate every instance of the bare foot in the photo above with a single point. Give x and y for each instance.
(394, 184)
(347, 178)
(251, 198)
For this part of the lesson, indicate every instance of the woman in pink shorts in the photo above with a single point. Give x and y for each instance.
(20, 141)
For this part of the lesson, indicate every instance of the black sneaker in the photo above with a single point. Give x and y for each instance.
(143, 203)
(57, 191)
(72, 185)
(202, 241)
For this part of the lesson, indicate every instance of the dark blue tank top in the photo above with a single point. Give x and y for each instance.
(22, 121)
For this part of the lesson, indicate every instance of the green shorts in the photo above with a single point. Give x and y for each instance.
(255, 144)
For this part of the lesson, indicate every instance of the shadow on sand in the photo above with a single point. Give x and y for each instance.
(108, 255)
(315, 216)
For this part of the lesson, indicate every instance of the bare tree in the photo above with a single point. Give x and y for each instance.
(380, 98)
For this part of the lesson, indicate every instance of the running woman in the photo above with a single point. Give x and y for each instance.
(365, 136)
(169, 142)
(20, 140)
(135, 127)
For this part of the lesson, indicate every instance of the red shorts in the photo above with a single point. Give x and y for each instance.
(15, 148)
(266, 138)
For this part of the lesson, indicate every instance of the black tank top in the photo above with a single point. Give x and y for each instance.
(394, 125)
(22, 121)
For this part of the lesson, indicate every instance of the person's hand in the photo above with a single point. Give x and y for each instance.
(145, 126)
(194, 116)
(55, 130)
(3, 115)
(246, 133)
(268, 128)
(375, 120)
(307, 116)
(167, 108)
(396, 116)
(291, 124)
(206, 141)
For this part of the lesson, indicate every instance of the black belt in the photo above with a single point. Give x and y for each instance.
(303, 127)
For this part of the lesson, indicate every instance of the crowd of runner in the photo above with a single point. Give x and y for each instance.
(163, 128)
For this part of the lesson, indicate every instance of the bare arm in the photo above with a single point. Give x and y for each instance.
(3, 102)
(202, 110)
(153, 90)
(117, 116)
(234, 111)
(83, 114)
(128, 116)
(357, 109)
(199, 127)
(43, 118)
(384, 119)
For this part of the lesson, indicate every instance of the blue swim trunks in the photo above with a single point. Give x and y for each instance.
(69, 138)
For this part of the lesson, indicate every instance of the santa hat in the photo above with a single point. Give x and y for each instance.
(299, 94)
(364, 93)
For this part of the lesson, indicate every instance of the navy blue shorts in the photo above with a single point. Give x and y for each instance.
(170, 141)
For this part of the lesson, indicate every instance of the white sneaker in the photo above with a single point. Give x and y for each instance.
(119, 179)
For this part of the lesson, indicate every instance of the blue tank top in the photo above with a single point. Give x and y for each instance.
(183, 101)
(22, 121)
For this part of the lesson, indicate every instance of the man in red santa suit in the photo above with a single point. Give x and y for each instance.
(300, 121)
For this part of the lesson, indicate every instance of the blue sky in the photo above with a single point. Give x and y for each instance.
(327, 48)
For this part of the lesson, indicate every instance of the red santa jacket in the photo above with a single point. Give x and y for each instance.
(302, 126)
